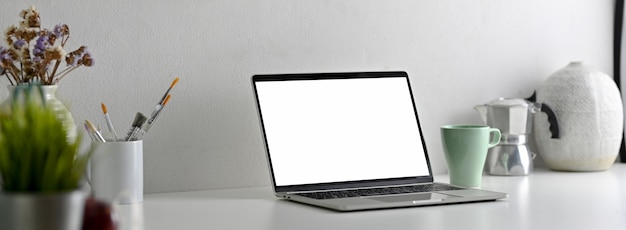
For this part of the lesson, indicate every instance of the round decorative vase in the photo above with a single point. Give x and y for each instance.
(39, 211)
(588, 107)
(50, 98)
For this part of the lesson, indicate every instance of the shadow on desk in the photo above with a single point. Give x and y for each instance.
(238, 194)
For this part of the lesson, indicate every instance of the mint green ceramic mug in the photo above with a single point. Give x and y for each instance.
(465, 148)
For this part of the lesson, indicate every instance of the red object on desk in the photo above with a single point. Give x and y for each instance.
(98, 215)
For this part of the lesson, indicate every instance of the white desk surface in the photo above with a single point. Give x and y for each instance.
(543, 200)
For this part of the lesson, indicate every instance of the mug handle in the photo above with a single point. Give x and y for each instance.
(495, 137)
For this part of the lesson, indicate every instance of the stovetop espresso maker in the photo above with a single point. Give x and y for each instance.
(513, 116)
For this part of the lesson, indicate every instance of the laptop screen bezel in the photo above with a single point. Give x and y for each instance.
(349, 184)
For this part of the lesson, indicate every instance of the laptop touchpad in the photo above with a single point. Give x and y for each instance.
(416, 198)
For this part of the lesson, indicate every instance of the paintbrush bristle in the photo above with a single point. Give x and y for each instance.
(90, 126)
(167, 99)
(139, 120)
(174, 83)
(104, 108)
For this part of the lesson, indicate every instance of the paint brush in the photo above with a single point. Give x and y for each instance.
(136, 127)
(156, 113)
(146, 126)
(168, 91)
(93, 138)
(108, 121)
(95, 134)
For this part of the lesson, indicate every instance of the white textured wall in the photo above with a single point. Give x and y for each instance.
(458, 54)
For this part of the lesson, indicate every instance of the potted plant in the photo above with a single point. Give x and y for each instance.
(40, 168)
(36, 55)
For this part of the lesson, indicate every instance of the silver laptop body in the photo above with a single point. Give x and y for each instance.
(328, 132)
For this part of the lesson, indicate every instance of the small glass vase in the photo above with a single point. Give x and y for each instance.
(50, 98)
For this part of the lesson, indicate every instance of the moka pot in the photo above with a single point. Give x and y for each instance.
(513, 116)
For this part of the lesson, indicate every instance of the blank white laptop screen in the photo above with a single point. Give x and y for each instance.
(334, 130)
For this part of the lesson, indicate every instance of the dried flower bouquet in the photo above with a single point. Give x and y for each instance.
(34, 54)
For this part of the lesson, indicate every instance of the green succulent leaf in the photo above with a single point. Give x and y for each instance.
(35, 153)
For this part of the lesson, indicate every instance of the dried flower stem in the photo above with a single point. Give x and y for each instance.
(64, 73)
(9, 78)
(54, 70)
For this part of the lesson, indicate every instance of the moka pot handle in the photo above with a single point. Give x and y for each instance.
(552, 121)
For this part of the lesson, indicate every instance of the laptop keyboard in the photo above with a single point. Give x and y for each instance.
(378, 191)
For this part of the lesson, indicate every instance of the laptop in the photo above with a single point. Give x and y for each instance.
(349, 141)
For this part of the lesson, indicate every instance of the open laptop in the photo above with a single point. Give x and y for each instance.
(349, 141)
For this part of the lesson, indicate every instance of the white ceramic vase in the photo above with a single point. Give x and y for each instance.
(589, 110)
(50, 98)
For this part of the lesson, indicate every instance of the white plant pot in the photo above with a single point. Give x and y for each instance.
(589, 110)
(37, 211)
